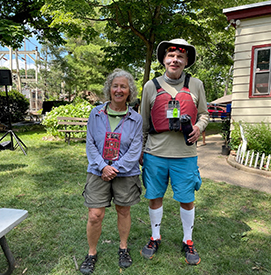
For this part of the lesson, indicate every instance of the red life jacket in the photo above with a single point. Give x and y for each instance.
(158, 120)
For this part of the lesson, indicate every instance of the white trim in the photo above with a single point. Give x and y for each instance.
(245, 7)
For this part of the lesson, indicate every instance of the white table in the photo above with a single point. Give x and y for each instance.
(9, 218)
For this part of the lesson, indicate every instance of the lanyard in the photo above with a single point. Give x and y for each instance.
(112, 140)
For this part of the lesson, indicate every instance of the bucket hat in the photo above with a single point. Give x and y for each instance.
(162, 47)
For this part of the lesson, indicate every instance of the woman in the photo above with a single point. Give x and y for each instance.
(114, 142)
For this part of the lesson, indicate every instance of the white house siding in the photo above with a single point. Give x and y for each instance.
(250, 32)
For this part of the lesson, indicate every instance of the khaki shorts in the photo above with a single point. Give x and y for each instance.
(125, 191)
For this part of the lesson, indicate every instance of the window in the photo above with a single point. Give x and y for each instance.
(260, 81)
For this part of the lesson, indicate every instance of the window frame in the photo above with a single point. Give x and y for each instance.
(253, 73)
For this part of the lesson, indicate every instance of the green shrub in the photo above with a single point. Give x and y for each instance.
(235, 136)
(81, 109)
(18, 105)
(258, 137)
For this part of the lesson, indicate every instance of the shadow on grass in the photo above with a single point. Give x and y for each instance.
(11, 167)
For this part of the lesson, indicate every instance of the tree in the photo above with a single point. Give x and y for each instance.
(20, 19)
(86, 70)
(136, 27)
(72, 69)
(213, 68)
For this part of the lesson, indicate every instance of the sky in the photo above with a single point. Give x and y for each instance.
(30, 45)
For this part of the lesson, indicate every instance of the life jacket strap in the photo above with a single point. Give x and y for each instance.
(186, 82)
(156, 83)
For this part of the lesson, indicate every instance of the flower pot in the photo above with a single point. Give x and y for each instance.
(225, 150)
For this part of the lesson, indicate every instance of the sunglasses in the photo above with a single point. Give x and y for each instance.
(174, 48)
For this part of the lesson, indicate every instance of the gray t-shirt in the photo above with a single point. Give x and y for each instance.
(171, 143)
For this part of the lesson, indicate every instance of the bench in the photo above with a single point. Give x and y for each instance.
(9, 218)
(80, 124)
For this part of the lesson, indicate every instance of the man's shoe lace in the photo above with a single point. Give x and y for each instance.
(191, 254)
(150, 248)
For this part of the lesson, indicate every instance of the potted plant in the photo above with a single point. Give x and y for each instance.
(225, 132)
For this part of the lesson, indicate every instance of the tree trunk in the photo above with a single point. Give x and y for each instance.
(147, 68)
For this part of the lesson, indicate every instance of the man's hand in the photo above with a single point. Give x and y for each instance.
(194, 135)
(109, 173)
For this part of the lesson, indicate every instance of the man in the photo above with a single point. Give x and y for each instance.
(168, 105)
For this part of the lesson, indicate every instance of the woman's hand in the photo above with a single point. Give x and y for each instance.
(109, 173)
(141, 158)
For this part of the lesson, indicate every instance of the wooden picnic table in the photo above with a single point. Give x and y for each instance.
(9, 218)
(35, 116)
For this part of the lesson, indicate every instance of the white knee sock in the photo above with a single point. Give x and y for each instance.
(187, 217)
(156, 218)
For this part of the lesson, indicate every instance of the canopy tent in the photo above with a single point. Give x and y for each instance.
(223, 100)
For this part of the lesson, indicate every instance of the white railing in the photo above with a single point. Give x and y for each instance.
(252, 159)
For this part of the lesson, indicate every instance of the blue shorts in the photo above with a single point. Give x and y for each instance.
(183, 173)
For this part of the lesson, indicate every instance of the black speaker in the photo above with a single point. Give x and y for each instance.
(5, 77)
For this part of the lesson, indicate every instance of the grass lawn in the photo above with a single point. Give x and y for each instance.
(213, 127)
(232, 225)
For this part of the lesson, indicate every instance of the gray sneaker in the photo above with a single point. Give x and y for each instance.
(191, 254)
(150, 248)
